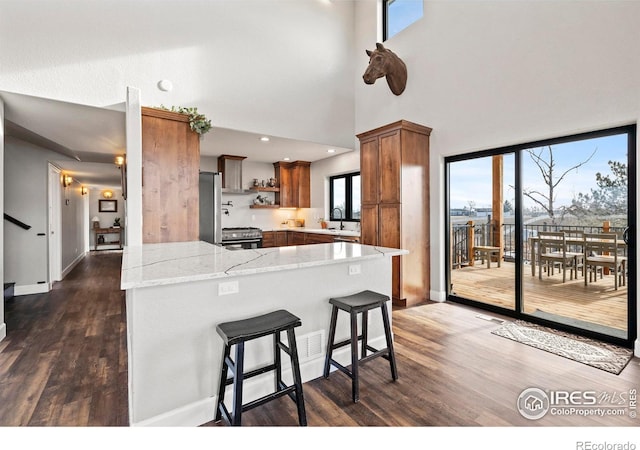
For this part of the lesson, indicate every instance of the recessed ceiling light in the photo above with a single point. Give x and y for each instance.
(286, 158)
(264, 138)
(331, 150)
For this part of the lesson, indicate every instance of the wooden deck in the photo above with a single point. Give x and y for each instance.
(598, 303)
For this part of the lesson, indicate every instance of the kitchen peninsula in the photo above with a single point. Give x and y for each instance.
(176, 293)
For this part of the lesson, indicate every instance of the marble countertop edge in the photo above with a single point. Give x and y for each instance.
(155, 265)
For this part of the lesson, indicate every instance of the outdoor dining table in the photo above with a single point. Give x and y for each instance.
(533, 242)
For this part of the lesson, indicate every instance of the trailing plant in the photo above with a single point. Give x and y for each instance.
(197, 121)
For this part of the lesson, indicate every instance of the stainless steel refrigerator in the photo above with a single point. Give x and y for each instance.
(211, 207)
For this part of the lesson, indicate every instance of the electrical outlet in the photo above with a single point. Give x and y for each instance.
(228, 287)
(355, 269)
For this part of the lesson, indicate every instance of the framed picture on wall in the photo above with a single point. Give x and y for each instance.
(108, 205)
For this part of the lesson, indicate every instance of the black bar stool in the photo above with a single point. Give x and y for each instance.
(237, 333)
(354, 304)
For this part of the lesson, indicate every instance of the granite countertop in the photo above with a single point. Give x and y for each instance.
(181, 262)
(335, 232)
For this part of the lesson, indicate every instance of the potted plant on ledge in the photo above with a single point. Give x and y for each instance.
(198, 122)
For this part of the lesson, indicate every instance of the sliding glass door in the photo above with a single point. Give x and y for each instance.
(481, 223)
(543, 231)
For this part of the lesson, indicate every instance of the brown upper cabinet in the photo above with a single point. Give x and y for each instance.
(294, 179)
(394, 171)
(170, 176)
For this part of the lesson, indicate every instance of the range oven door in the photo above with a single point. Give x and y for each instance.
(242, 244)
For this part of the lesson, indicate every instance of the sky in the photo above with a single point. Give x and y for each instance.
(401, 14)
(471, 180)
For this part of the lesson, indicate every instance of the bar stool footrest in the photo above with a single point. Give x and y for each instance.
(255, 372)
(267, 398)
(344, 343)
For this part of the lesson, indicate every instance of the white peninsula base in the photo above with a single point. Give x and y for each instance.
(177, 293)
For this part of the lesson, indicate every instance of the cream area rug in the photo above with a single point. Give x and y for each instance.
(587, 351)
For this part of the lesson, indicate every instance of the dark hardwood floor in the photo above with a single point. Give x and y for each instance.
(64, 363)
(64, 360)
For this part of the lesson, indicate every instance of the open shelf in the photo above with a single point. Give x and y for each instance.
(265, 189)
(264, 206)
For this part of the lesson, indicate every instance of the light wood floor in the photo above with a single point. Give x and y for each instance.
(64, 363)
(597, 302)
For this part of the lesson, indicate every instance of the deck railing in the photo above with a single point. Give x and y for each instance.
(482, 235)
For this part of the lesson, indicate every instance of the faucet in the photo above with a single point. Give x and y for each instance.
(341, 225)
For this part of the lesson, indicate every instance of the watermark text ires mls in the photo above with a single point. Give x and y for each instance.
(535, 403)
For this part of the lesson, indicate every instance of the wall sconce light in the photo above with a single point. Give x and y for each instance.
(121, 163)
(84, 190)
(107, 194)
(66, 180)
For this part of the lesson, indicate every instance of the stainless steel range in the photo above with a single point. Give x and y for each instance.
(241, 237)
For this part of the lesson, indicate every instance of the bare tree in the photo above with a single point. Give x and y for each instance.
(547, 166)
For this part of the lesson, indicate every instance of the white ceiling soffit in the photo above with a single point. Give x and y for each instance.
(225, 141)
(18, 132)
(88, 133)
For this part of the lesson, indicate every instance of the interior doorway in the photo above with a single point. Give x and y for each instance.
(54, 235)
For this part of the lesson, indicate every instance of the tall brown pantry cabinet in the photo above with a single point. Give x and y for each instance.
(170, 178)
(394, 171)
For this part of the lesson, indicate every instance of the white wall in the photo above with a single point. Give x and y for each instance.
(25, 184)
(282, 67)
(485, 74)
(3, 327)
(74, 223)
(25, 197)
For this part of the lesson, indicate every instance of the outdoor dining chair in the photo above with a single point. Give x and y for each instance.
(553, 251)
(601, 251)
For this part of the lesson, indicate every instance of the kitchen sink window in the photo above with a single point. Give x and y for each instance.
(344, 194)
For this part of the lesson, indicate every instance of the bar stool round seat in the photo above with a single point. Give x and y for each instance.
(238, 333)
(355, 304)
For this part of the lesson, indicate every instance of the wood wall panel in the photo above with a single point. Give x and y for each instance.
(170, 177)
(369, 224)
(389, 168)
(369, 180)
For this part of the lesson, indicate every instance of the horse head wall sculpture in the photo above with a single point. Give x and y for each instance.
(384, 63)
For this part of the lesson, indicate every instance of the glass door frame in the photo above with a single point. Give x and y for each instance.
(517, 312)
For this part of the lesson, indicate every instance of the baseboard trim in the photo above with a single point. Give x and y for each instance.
(29, 289)
(191, 415)
(438, 296)
(202, 411)
(3, 331)
(74, 263)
